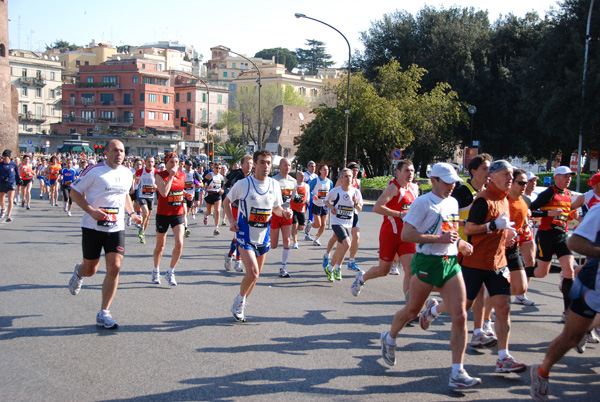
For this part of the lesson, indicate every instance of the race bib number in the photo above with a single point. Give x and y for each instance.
(259, 217)
(148, 190)
(560, 221)
(299, 198)
(188, 185)
(68, 182)
(322, 194)
(175, 198)
(110, 220)
(286, 194)
(345, 212)
(450, 226)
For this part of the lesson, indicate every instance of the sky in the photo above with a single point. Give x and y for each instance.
(244, 26)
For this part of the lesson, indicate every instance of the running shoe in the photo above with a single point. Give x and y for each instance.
(463, 380)
(395, 271)
(27, 207)
(509, 365)
(239, 267)
(316, 242)
(426, 318)
(143, 238)
(23, 204)
(156, 277)
(283, 273)
(2, 214)
(75, 282)
(216, 232)
(186, 233)
(388, 352)
(200, 211)
(592, 338)
(329, 273)
(106, 320)
(580, 348)
(295, 245)
(539, 385)
(325, 261)
(140, 232)
(307, 228)
(481, 340)
(8, 219)
(596, 332)
(65, 207)
(170, 277)
(352, 266)
(194, 216)
(487, 328)
(205, 219)
(223, 223)
(68, 213)
(358, 284)
(228, 261)
(238, 309)
(522, 299)
(337, 274)
(56, 204)
(307, 237)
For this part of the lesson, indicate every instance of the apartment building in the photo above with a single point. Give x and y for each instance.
(38, 82)
(90, 55)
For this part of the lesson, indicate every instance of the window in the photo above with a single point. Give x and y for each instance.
(204, 98)
(38, 92)
(151, 97)
(2, 49)
(302, 91)
(219, 99)
(232, 87)
(162, 81)
(24, 109)
(204, 115)
(224, 74)
(177, 113)
(219, 114)
(165, 116)
(233, 65)
(148, 80)
(23, 91)
(109, 79)
(177, 97)
(189, 96)
(142, 114)
(166, 99)
(77, 63)
(72, 99)
(38, 74)
(141, 97)
(151, 115)
(107, 114)
(89, 79)
(24, 72)
(52, 75)
(135, 79)
(233, 74)
(107, 99)
(88, 114)
(188, 113)
(52, 93)
(87, 63)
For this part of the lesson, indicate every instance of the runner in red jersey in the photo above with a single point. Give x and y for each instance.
(169, 212)
(26, 173)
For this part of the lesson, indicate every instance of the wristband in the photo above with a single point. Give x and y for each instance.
(491, 226)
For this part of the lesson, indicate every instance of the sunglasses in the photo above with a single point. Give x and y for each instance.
(522, 183)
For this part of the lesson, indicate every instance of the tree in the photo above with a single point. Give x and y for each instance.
(313, 58)
(123, 49)
(235, 152)
(62, 46)
(282, 56)
(232, 121)
(246, 103)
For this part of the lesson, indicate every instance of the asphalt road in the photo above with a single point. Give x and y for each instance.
(306, 339)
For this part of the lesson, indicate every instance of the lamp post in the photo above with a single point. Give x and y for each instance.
(259, 86)
(588, 39)
(347, 111)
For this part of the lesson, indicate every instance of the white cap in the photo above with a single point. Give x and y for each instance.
(563, 170)
(445, 172)
(530, 176)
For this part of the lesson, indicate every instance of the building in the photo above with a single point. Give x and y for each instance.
(286, 129)
(165, 59)
(91, 55)
(8, 93)
(121, 98)
(39, 84)
(203, 105)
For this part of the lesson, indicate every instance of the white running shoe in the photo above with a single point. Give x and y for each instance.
(238, 309)
(388, 352)
(358, 284)
(283, 273)
(68, 213)
(316, 242)
(539, 385)
(523, 300)
(394, 270)
(592, 337)
(464, 380)
(75, 282)
(295, 245)
(426, 318)
(228, 260)
(106, 320)
(170, 277)
(239, 267)
(156, 277)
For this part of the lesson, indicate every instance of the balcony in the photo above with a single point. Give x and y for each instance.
(32, 117)
(97, 85)
(34, 81)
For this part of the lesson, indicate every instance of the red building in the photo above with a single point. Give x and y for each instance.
(121, 98)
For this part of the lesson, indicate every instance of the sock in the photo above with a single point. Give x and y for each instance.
(389, 340)
(285, 255)
(477, 331)
(542, 372)
(566, 289)
(434, 311)
(239, 298)
(156, 269)
(351, 260)
(337, 267)
(170, 271)
(456, 368)
(327, 255)
(503, 354)
(104, 312)
(529, 272)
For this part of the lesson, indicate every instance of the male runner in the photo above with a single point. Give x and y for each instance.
(319, 188)
(68, 175)
(101, 192)
(145, 196)
(191, 177)
(286, 184)
(214, 184)
(9, 178)
(309, 176)
(432, 223)
(259, 197)
(300, 200)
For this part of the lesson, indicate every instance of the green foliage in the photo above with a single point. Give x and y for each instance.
(313, 58)
(282, 56)
(228, 149)
(62, 45)
(379, 182)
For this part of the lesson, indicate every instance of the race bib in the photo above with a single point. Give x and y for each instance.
(175, 198)
(286, 194)
(345, 212)
(148, 190)
(322, 194)
(110, 220)
(259, 217)
(560, 221)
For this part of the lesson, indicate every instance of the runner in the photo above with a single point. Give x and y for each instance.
(138, 164)
(191, 176)
(170, 211)
(286, 184)
(432, 223)
(394, 203)
(234, 177)
(309, 176)
(53, 173)
(40, 169)
(213, 196)
(299, 203)
(68, 176)
(319, 188)
(101, 192)
(26, 173)
(343, 201)
(145, 196)
(9, 178)
(590, 198)
(199, 190)
(259, 199)
(584, 306)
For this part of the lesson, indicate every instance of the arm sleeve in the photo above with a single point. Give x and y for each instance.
(542, 199)
(478, 212)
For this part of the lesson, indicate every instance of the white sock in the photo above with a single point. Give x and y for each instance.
(456, 368)
(170, 270)
(327, 255)
(351, 260)
(477, 331)
(105, 312)
(156, 270)
(285, 255)
(337, 267)
(502, 354)
(389, 340)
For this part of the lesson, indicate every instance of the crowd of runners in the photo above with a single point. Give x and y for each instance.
(477, 242)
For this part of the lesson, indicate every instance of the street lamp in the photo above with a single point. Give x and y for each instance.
(588, 39)
(259, 86)
(347, 112)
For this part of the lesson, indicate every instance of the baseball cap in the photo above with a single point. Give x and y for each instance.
(445, 172)
(530, 176)
(188, 162)
(595, 179)
(563, 170)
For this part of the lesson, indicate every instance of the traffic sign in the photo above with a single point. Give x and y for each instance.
(397, 153)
